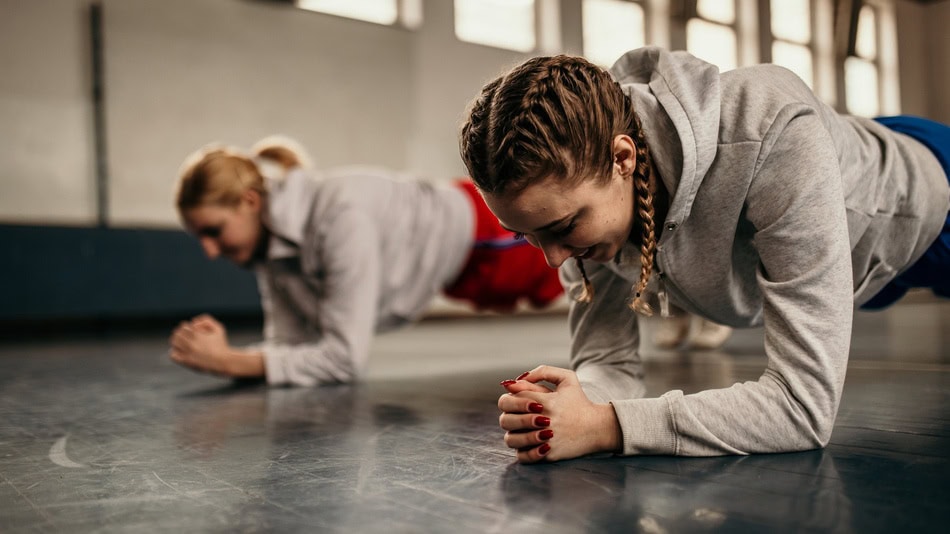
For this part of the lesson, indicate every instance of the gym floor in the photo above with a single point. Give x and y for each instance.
(103, 433)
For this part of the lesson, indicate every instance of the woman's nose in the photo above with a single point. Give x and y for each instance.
(555, 254)
(210, 247)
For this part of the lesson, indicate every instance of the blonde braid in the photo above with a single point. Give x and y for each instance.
(588, 294)
(644, 203)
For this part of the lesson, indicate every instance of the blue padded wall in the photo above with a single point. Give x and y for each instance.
(64, 273)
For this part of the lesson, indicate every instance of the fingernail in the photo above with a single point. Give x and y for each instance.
(534, 407)
(546, 434)
(522, 375)
(507, 383)
(542, 421)
(543, 449)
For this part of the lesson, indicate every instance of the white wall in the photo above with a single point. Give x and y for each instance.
(46, 154)
(182, 73)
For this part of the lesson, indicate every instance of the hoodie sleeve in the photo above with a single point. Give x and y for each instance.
(335, 350)
(604, 343)
(796, 205)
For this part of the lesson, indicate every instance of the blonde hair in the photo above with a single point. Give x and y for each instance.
(283, 151)
(219, 175)
(557, 116)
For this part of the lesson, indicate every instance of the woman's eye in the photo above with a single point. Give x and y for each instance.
(211, 231)
(564, 232)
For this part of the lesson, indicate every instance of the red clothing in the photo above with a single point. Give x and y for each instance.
(502, 270)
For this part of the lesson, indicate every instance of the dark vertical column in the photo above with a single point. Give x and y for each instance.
(99, 119)
(765, 31)
(572, 26)
(680, 13)
(846, 32)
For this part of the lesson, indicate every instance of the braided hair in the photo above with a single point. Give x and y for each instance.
(556, 116)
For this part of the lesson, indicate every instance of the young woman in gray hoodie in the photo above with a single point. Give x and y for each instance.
(339, 256)
(737, 196)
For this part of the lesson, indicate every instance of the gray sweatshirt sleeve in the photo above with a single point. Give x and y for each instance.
(336, 349)
(796, 205)
(604, 335)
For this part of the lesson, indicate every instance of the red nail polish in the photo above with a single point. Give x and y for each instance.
(507, 382)
(542, 421)
(522, 375)
(535, 407)
(544, 449)
(546, 434)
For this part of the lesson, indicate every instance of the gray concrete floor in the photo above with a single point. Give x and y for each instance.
(104, 434)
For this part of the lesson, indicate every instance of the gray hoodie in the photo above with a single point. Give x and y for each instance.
(783, 214)
(357, 251)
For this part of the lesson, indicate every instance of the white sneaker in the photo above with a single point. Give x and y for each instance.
(670, 332)
(709, 335)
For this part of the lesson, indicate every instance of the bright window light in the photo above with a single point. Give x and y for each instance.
(860, 82)
(612, 27)
(791, 20)
(506, 24)
(378, 11)
(723, 11)
(796, 58)
(866, 40)
(712, 42)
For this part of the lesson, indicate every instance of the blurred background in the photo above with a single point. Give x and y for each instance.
(100, 101)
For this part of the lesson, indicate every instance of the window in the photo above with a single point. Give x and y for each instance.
(612, 27)
(508, 24)
(861, 77)
(711, 34)
(792, 37)
(378, 11)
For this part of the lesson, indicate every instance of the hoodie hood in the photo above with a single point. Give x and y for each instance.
(677, 97)
(289, 208)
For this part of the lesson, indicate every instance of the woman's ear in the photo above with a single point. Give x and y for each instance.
(252, 199)
(624, 154)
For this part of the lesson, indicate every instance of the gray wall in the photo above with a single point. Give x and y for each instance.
(924, 45)
(180, 73)
(46, 157)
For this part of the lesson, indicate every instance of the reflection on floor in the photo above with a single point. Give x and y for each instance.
(107, 435)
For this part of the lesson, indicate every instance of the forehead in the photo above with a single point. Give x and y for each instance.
(537, 205)
(207, 215)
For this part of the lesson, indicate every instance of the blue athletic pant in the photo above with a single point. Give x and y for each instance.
(933, 269)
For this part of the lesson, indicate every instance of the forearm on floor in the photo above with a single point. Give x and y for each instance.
(245, 363)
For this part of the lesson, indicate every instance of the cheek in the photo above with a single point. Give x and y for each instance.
(622, 216)
(246, 233)
(587, 235)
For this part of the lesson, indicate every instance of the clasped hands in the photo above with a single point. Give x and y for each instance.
(555, 424)
(201, 344)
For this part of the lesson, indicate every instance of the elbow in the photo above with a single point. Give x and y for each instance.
(346, 363)
(810, 415)
(799, 438)
(813, 432)
(823, 433)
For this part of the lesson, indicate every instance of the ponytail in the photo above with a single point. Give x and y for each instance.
(282, 151)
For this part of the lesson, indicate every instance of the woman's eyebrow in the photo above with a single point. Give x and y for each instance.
(542, 228)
